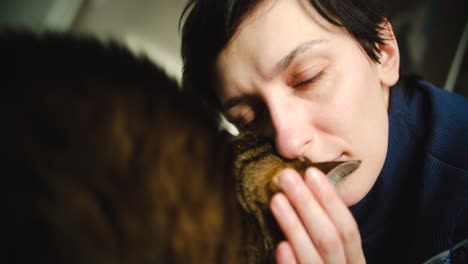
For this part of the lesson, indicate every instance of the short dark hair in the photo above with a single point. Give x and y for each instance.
(210, 24)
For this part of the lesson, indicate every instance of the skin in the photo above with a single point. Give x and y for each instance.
(311, 87)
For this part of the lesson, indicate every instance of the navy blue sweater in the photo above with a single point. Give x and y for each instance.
(418, 206)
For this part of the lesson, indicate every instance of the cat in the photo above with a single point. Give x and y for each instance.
(105, 160)
(256, 168)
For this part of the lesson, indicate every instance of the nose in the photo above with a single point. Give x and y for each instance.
(291, 129)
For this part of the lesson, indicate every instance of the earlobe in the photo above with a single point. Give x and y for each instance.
(390, 57)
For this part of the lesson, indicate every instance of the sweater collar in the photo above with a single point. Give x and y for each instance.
(377, 210)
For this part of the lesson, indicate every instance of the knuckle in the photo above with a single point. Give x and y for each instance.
(300, 196)
(295, 228)
(328, 244)
(315, 261)
(328, 197)
(291, 225)
(350, 233)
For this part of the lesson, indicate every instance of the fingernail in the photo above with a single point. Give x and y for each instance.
(278, 203)
(314, 177)
(287, 180)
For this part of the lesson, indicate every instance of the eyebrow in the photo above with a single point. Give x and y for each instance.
(281, 66)
(286, 61)
(236, 100)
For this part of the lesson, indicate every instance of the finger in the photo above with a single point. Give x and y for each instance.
(285, 254)
(317, 223)
(338, 212)
(293, 229)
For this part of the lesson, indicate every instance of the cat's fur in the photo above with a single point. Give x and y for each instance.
(104, 160)
(256, 169)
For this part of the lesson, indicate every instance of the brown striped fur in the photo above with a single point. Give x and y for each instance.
(256, 169)
(105, 161)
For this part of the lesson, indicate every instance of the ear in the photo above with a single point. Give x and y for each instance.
(389, 66)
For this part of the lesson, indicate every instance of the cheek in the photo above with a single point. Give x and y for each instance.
(360, 107)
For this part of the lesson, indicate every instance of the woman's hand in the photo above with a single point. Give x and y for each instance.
(318, 226)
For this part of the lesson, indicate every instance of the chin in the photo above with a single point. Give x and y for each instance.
(357, 185)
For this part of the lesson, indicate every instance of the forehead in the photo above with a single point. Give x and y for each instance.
(269, 32)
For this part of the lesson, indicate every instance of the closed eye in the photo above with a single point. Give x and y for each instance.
(257, 116)
(309, 81)
(247, 114)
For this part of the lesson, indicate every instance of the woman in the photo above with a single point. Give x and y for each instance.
(320, 78)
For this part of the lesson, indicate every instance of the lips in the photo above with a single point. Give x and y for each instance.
(340, 157)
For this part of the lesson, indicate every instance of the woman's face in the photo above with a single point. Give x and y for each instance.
(311, 87)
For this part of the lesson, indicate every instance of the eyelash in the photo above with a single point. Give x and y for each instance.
(312, 80)
(259, 112)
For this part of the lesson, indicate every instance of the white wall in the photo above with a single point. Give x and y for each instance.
(38, 15)
(148, 25)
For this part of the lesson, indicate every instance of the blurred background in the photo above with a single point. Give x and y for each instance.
(432, 34)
